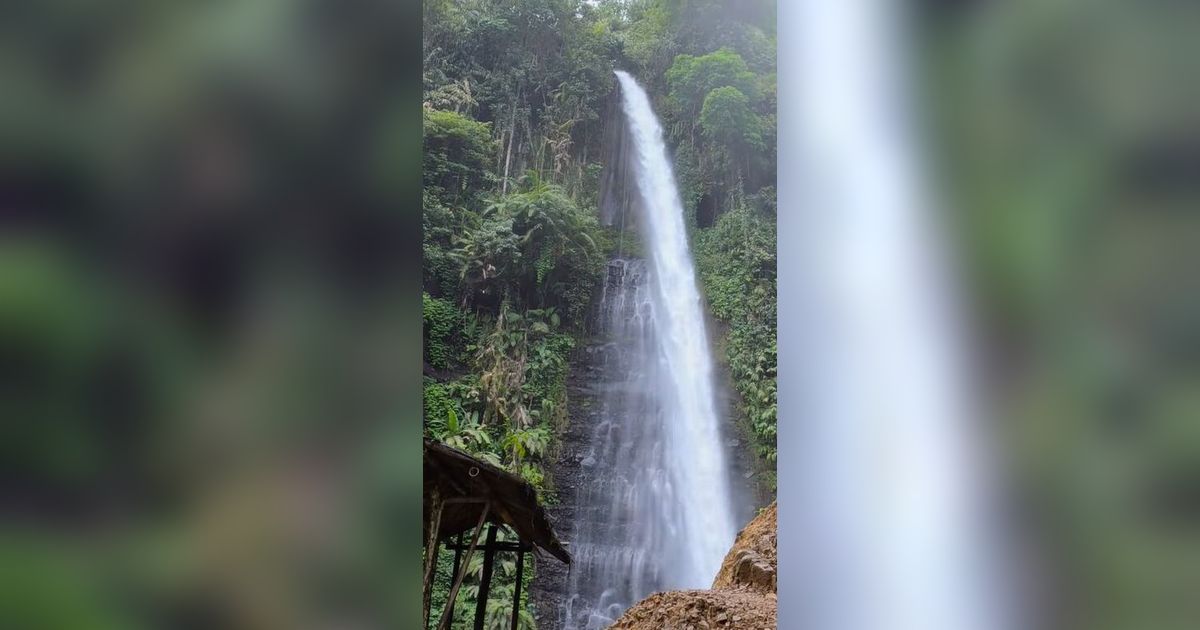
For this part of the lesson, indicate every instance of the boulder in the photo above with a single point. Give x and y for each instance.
(743, 595)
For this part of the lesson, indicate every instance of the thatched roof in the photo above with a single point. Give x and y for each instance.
(455, 474)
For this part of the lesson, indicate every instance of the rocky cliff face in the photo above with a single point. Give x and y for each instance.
(743, 595)
(548, 592)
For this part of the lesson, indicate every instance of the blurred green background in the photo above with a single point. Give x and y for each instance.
(1068, 139)
(209, 314)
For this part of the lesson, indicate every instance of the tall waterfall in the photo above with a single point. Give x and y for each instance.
(891, 530)
(654, 510)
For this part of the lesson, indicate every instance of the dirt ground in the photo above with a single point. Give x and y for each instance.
(701, 610)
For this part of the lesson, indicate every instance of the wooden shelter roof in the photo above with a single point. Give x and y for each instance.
(457, 476)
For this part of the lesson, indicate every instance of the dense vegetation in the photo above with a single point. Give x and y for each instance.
(516, 95)
(736, 258)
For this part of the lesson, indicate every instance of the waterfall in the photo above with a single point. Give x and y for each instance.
(654, 510)
(891, 526)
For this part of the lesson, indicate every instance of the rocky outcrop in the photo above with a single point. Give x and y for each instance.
(752, 561)
(743, 594)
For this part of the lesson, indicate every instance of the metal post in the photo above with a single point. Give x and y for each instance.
(485, 579)
(516, 613)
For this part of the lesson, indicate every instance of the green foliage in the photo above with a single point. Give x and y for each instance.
(736, 262)
(546, 373)
(649, 39)
(44, 585)
(535, 246)
(488, 256)
(534, 475)
(441, 397)
(523, 367)
(441, 273)
(442, 322)
(507, 409)
(727, 118)
(539, 70)
(692, 78)
(458, 152)
(720, 115)
(746, 26)
(522, 443)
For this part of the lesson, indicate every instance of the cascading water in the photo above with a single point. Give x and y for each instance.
(654, 510)
(891, 532)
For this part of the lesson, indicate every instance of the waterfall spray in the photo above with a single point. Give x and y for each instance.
(694, 445)
(891, 525)
(655, 510)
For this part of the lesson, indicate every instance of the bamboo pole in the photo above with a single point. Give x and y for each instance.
(431, 551)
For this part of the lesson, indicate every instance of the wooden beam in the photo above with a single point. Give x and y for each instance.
(485, 579)
(499, 546)
(431, 552)
(449, 479)
(444, 623)
(458, 549)
(455, 500)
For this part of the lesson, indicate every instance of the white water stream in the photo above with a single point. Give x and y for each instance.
(654, 512)
(694, 448)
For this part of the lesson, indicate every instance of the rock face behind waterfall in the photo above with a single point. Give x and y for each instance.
(743, 595)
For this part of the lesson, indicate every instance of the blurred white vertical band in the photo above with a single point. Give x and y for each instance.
(881, 492)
